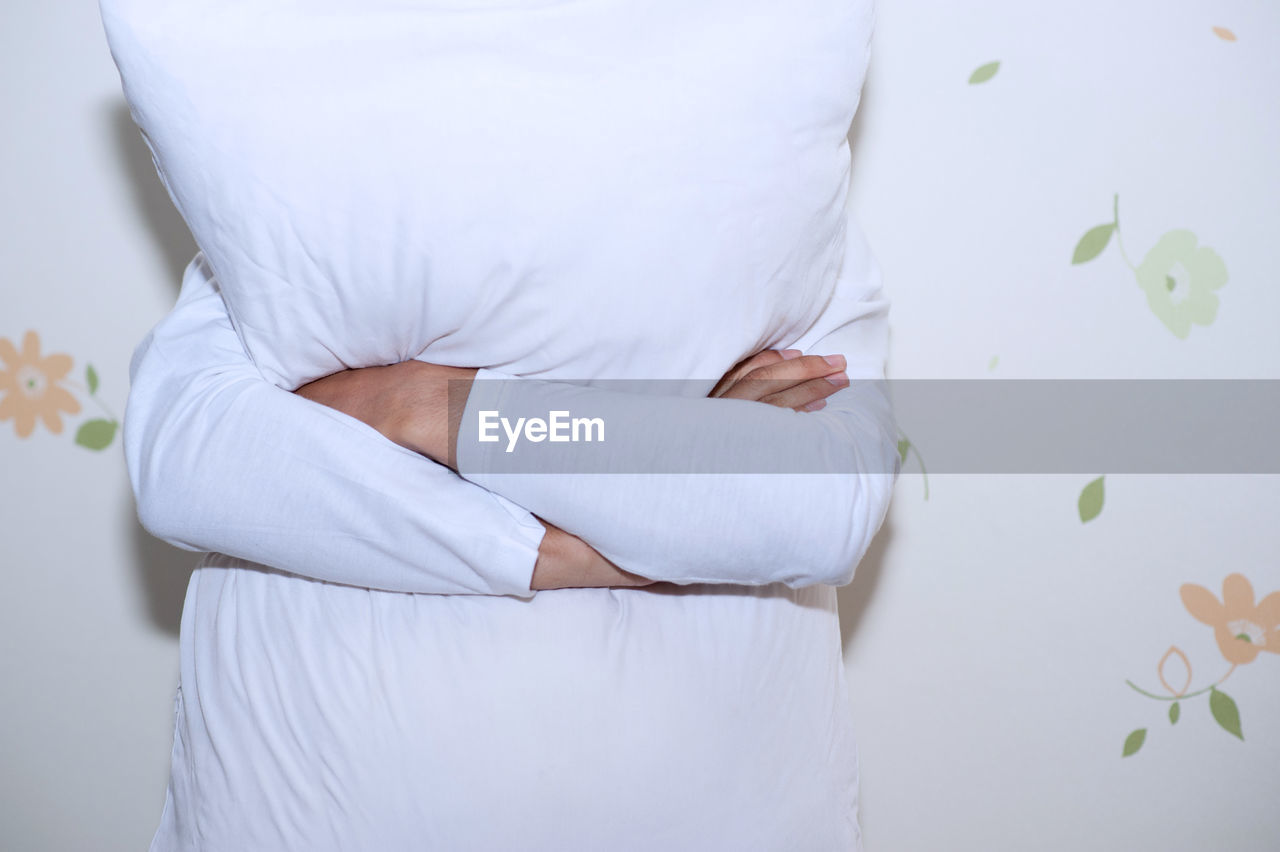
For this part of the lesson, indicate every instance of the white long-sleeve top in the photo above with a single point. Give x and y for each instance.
(557, 193)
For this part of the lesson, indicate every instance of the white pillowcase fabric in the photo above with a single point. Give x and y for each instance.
(557, 193)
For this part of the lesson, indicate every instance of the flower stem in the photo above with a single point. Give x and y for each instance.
(911, 447)
(94, 397)
(1115, 210)
(1185, 694)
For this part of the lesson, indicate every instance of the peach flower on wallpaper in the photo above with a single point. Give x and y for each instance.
(1242, 627)
(30, 386)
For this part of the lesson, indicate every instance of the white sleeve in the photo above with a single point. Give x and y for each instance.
(809, 521)
(220, 459)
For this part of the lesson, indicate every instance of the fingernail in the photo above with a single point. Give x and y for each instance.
(816, 405)
(788, 354)
(834, 360)
(839, 379)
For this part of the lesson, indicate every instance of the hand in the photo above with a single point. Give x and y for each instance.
(407, 402)
(784, 378)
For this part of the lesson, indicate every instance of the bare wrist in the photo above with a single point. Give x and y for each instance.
(431, 401)
(566, 561)
(558, 565)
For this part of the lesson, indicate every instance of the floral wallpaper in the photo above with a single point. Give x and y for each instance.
(36, 388)
(1178, 276)
(1180, 279)
(1243, 627)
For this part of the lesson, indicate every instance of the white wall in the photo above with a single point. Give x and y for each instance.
(90, 258)
(992, 633)
(989, 633)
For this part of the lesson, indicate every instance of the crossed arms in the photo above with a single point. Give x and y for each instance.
(220, 459)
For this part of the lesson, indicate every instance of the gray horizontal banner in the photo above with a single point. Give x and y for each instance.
(998, 426)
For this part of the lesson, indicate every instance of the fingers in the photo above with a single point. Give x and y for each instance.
(746, 365)
(792, 382)
(808, 396)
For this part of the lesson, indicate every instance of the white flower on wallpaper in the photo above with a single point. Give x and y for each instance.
(1179, 276)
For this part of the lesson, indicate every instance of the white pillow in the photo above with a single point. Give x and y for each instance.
(556, 189)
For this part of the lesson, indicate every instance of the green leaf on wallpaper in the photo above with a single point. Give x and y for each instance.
(1090, 502)
(1134, 741)
(991, 365)
(91, 378)
(903, 446)
(96, 434)
(1093, 242)
(1174, 712)
(984, 73)
(1225, 711)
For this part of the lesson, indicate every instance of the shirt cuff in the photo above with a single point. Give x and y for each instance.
(514, 557)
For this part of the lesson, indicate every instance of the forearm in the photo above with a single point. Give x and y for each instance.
(222, 460)
(808, 521)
